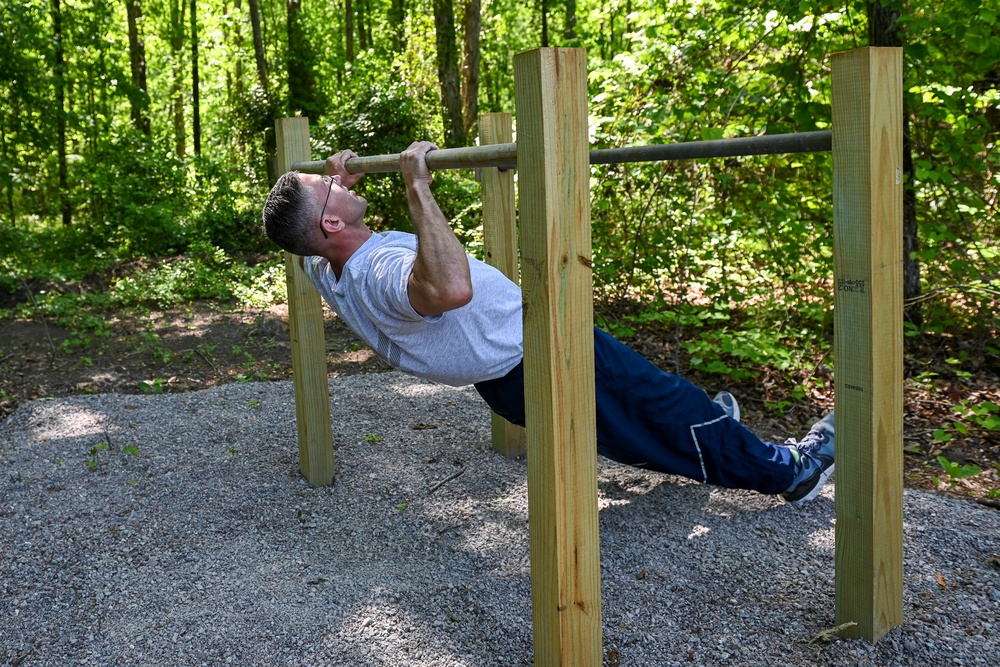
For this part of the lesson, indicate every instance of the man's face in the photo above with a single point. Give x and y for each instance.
(341, 203)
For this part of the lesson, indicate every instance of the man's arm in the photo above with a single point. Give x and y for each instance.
(440, 280)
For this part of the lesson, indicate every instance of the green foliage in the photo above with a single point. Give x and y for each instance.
(206, 272)
(261, 285)
(752, 234)
(984, 416)
(94, 460)
(152, 386)
(956, 471)
(135, 190)
(224, 209)
(382, 118)
(953, 98)
(732, 256)
(198, 275)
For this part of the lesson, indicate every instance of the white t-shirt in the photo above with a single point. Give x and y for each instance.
(479, 341)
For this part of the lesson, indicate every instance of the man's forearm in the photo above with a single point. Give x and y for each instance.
(441, 279)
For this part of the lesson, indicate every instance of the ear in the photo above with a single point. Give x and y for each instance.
(332, 225)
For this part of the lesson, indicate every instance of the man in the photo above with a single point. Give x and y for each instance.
(429, 309)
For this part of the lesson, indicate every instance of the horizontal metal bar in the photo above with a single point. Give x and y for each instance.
(767, 144)
(493, 155)
(504, 156)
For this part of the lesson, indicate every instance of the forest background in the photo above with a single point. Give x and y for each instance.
(137, 147)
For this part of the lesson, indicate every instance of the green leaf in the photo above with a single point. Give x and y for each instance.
(947, 465)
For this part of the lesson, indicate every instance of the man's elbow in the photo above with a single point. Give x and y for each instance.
(429, 300)
(456, 297)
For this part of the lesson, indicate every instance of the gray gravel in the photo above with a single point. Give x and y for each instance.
(206, 547)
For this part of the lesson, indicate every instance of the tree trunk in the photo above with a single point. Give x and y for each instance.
(884, 30)
(226, 18)
(359, 8)
(397, 21)
(137, 58)
(8, 180)
(258, 45)
(472, 22)
(569, 27)
(364, 12)
(368, 23)
(348, 31)
(195, 98)
(301, 82)
(544, 5)
(177, 95)
(238, 41)
(447, 62)
(60, 83)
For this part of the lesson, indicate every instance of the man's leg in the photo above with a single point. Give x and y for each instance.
(505, 395)
(651, 419)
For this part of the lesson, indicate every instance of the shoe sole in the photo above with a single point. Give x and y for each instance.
(825, 475)
(736, 407)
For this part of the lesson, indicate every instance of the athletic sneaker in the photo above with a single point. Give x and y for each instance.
(729, 404)
(815, 457)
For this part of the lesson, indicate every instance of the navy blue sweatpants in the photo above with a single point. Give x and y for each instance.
(651, 419)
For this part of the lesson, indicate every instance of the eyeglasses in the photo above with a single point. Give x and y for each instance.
(325, 202)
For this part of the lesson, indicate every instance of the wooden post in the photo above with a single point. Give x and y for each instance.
(305, 319)
(554, 184)
(868, 331)
(500, 243)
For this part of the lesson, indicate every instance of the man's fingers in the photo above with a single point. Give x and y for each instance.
(336, 165)
(421, 147)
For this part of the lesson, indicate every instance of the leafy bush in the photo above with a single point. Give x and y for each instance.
(138, 199)
(226, 209)
(204, 273)
(381, 119)
(261, 285)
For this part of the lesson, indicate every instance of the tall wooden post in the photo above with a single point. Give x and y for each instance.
(554, 184)
(305, 319)
(500, 243)
(868, 330)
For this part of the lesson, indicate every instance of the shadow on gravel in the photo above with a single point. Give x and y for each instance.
(191, 538)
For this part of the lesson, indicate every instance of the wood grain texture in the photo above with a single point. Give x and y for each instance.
(500, 245)
(868, 330)
(554, 188)
(305, 319)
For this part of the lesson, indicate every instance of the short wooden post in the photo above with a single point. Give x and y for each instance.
(868, 330)
(305, 319)
(554, 185)
(500, 244)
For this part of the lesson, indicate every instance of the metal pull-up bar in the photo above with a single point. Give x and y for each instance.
(504, 156)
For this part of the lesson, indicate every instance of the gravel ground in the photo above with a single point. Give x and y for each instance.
(195, 541)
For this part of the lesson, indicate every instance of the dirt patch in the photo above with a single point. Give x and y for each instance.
(204, 344)
(177, 350)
